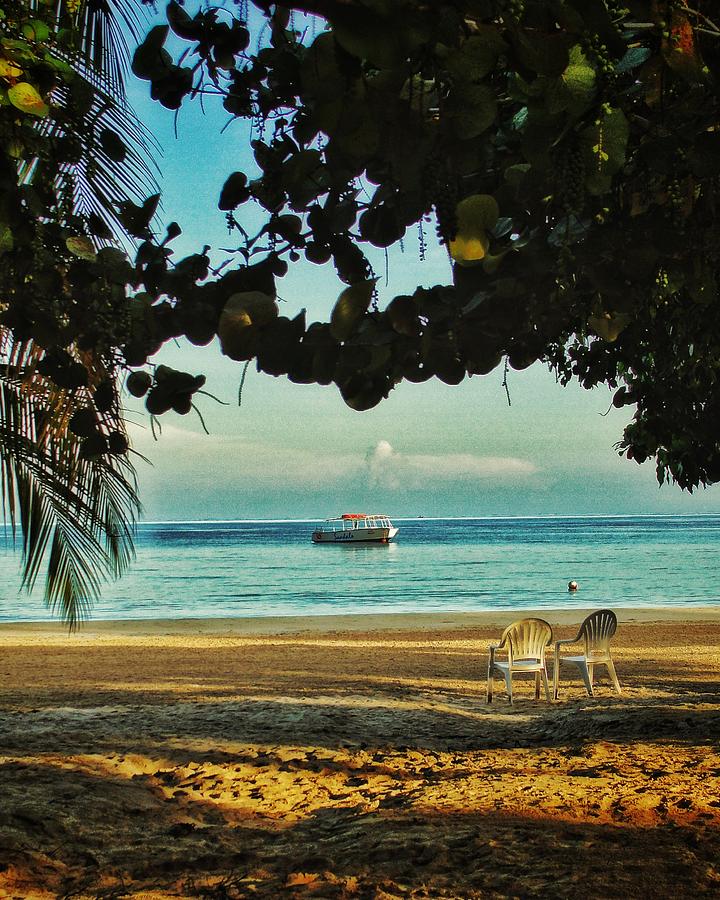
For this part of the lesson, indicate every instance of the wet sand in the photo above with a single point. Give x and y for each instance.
(355, 756)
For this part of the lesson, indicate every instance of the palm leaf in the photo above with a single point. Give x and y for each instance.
(106, 25)
(103, 28)
(77, 515)
(98, 182)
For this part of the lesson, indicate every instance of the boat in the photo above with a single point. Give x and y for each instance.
(353, 528)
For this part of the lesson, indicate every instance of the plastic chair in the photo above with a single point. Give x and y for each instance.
(596, 631)
(526, 641)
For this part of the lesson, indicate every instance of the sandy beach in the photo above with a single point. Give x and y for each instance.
(355, 756)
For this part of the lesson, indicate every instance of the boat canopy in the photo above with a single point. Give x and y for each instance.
(356, 520)
(363, 516)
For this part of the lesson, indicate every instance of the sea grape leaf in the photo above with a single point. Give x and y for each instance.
(304, 177)
(476, 216)
(382, 40)
(603, 147)
(98, 227)
(81, 247)
(35, 30)
(472, 108)
(609, 326)
(25, 97)
(365, 36)
(538, 135)
(479, 211)
(299, 167)
(380, 225)
(7, 241)
(578, 80)
(239, 323)
(137, 218)
(9, 69)
(151, 60)
(477, 56)
(113, 145)
(355, 130)
(182, 23)
(402, 312)
(467, 248)
(351, 306)
(234, 192)
(546, 54)
(260, 307)
(173, 230)
(81, 95)
(319, 74)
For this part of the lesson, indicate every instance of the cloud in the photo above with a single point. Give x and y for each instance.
(215, 460)
(232, 463)
(392, 470)
(382, 462)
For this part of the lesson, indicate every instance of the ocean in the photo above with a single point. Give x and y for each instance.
(271, 568)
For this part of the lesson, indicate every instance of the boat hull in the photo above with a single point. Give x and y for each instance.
(355, 536)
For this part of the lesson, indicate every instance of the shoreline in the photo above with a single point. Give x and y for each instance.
(362, 623)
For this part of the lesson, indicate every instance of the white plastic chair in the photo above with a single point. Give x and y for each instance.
(596, 631)
(525, 641)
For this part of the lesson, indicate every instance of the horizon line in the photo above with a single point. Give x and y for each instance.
(561, 516)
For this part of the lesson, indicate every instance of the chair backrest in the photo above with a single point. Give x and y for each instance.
(527, 639)
(596, 630)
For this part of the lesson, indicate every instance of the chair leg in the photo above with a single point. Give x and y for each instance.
(586, 672)
(613, 676)
(547, 686)
(490, 685)
(537, 685)
(508, 685)
(556, 677)
(591, 672)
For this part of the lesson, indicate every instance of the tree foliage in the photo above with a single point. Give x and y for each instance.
(567, 152)
(67, 479)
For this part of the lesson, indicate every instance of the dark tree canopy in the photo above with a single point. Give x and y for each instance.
(567, 152)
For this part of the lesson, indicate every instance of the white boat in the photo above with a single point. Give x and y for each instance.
(352, 528)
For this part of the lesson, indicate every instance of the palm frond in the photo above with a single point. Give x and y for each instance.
(105, 25)
(97, 181)
(77, 515)
(104, 28)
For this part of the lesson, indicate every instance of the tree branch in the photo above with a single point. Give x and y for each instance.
(708, 21)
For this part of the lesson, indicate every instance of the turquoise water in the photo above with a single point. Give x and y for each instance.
(264, 568)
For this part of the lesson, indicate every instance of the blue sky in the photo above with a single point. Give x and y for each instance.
(430, 449)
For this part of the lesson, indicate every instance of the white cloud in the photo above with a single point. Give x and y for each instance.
(227, 459)
(382, 462)
(391, 470)
(231, 462)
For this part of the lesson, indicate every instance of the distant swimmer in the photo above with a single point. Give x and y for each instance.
(573, 586)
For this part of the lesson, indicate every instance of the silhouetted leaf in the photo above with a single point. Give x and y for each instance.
(351, 306)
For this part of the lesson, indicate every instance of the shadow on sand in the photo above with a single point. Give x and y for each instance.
(350, 776)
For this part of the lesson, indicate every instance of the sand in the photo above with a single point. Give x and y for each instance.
(354, 757)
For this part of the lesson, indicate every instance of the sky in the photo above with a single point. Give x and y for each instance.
(296, 451)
